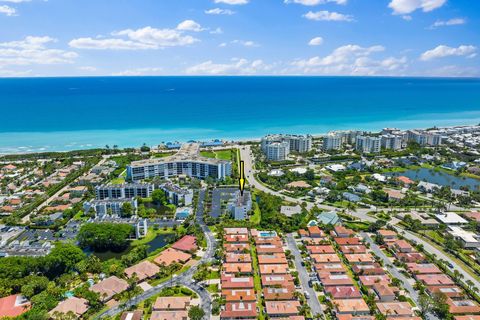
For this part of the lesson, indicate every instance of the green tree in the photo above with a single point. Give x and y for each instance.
(127, 209)
(159, 197)
(196, 313)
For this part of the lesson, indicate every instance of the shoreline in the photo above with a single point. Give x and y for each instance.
(209, 135)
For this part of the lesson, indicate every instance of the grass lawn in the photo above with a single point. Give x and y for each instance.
(257, 215)
(212, 288)
(119, 180)
(224, 154)
(208, 154)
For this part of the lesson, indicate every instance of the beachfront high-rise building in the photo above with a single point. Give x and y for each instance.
(277, 151)
(240, 205)
(391, 141)
(296, 143)
(124, 191)
(424, 138)
(332, 141)
(187, 161)
(367, 144)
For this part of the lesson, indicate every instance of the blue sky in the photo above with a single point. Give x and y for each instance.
(239, 37)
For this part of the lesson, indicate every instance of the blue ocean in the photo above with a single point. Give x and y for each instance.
(46, 114)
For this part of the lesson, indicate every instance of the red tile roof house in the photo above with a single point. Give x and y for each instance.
(410, 257)
(351, 306)
(238, 268)
(368, 269)
(303, 233)
(423, 268)
(238, 258)
(186, 244)
(78, 306)
(360, 258)
(13, 306)
(237, 295)
(236, 247)
(342, 232)
(269, 248)
(279, 293)
(282, 308)
(332, 268)
(276, 258)
(320, 249)
(171, 303)
(388, 235)
(229, 281)
(359, 248)
(236, 238)
(462, 306)
(277, 280)
(325, 258)
(315, 232)
(235, 231)
(402, 246)
(347, 241)
(395, 309)
(347, 292)
(469, 317)
(369, 281)
(266, 269)
(383, 292)
(109, 287)
(449, 291)
(335, 280)
(435, 280)
(354, 317)
(405, 180)
(239, 310)
(143, 270)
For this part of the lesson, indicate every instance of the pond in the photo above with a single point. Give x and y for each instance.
(158, 242)
(439, 177)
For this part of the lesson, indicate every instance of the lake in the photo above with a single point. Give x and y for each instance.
(439, 177)
(158, 242)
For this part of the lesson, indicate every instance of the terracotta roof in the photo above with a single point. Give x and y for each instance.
(330, 268)
(345, 241)
(463, 306)
(279, 293)
(369, 281)
(368, 269)
(238, 258)
(273, 269)
(423, 268)
(76, 305)
(109, 287)
(229, 281)
(241, 310)
(269, 248)
(325, 258)
(321, 249)
(236, 238)
(142, 270)
(435, 279)
(276, 258)
(351, 306)
(275, 308)
(405, 180)
(186, 243)
(358, 248)
(236, 247)
(341, 231)
(347, 292)
(383, 291)
(395, 308)
(169, 315)
(277, 279)
(169, 256)
(470, 317)
(132, 315)
(360, 258)
(328, 279)
(231, 295)
(238, 267)
(13, 306)
(449, 291)
(315, 231)
(235, 230)
(387, 233)
(410, 257)
(171, 303)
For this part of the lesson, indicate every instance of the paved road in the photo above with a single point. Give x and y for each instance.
(394, 271)
(184, 279)
(313, 302)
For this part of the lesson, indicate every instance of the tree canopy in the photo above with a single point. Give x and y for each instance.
(106, 236)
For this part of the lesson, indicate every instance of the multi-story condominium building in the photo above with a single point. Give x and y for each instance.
(177, 195)
(332, 141)
(347, 136)
(124, 191)
(109, 206)
(296, 143)
(277, 151)
(240, 205)
(424, 138)
(391, 141)
(367, 144)
(186, 161)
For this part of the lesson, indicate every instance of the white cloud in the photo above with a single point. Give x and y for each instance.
(327, 16)
(315, 2)
(189, 25)
(246, 43)
(315, 41)
(140, 39)
(218, 11)
(451, 22)
(232, 2)
(217, 31)
(235, 67)
(87, 68)
(139, 72)
(446, 51)
(9, 11)
(33, 50)
(409, 6)
(351, 60)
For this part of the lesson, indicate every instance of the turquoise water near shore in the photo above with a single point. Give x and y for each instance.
(51, 114)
